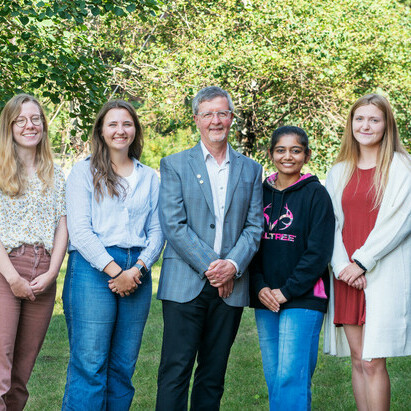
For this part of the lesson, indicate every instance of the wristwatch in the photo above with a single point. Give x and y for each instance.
(143, 270)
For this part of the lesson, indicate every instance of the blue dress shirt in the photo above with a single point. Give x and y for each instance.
(123, 222)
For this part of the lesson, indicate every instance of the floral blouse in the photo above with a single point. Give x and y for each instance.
(33, 217)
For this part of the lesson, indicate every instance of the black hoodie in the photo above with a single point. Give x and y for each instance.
(296, 245)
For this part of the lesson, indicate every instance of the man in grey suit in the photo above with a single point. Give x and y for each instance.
(212, 217)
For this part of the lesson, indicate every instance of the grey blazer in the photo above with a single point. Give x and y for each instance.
(188, 222)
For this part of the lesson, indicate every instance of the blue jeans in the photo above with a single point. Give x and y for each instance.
(105, 332)
(289, 349)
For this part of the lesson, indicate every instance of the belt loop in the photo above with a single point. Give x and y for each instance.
(36, 256)
(22, 249)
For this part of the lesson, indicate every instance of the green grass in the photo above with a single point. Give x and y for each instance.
(245, 387)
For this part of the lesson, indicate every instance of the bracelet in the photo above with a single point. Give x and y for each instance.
(360, 265)
(117, 275)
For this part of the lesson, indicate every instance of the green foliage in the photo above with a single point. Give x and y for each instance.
(301, 62)
(49, 49)
(285, 62)
(157, 146)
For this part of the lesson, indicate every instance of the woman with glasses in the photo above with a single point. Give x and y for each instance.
(115, 237)
(33, 241)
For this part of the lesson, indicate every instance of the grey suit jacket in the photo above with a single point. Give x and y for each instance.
(188, 222)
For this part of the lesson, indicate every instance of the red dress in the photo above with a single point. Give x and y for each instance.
(359, 220)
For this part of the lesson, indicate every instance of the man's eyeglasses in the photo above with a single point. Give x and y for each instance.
(208, 115)
(22, 121)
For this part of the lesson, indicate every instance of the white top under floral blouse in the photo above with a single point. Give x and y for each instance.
(32, 218)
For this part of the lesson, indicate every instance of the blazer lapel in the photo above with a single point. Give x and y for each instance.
(236, 165)
(197, 164)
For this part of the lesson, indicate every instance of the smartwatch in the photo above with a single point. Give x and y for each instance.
(143, 270)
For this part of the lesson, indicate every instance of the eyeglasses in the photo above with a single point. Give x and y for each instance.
(22, 121)
(208, 115)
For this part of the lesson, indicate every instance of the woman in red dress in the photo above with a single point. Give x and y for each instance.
(371, 193)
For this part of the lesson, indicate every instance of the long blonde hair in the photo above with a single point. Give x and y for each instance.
(101, 167)
(13, 176)
(389, 144)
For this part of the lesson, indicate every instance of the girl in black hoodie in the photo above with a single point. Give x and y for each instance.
(289, 274)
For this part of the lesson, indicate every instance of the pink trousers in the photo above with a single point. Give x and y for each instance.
(23, 326)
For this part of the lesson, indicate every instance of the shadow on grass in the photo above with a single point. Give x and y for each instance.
(245, 387)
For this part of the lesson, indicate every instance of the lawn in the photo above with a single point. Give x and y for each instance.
(245, 387)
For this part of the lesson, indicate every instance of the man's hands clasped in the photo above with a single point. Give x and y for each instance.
(221, 275)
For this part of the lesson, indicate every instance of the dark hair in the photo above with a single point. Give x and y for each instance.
(101, 168)
(208, 94)
(97, 140)
(285, 130)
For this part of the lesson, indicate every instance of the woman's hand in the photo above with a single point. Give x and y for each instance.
(126, 283)
(21, 288)
(18, 285)
(360, 283)
(279, 296)
(267, 297)
(42, 282)
(350, 273)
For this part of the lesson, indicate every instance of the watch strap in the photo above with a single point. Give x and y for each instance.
(143, 270)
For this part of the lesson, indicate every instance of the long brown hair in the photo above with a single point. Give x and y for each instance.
(13, 175)
(101, 167)
(389, 144)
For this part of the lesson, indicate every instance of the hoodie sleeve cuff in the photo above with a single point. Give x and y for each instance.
(286, 293)
(258, 283)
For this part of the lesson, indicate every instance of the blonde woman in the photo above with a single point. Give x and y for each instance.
(33, 241)
(370, 187)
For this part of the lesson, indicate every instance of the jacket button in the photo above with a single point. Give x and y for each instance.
(212, 226)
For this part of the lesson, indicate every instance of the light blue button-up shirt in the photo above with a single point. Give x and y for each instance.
(123, 222)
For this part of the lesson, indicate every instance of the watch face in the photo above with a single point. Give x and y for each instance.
(143, 270)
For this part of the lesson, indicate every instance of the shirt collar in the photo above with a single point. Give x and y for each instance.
(135, 161)
(207, 154)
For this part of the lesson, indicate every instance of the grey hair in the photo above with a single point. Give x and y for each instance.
(210, 93)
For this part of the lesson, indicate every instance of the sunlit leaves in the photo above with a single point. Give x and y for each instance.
(49, 48)
(299, 62)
